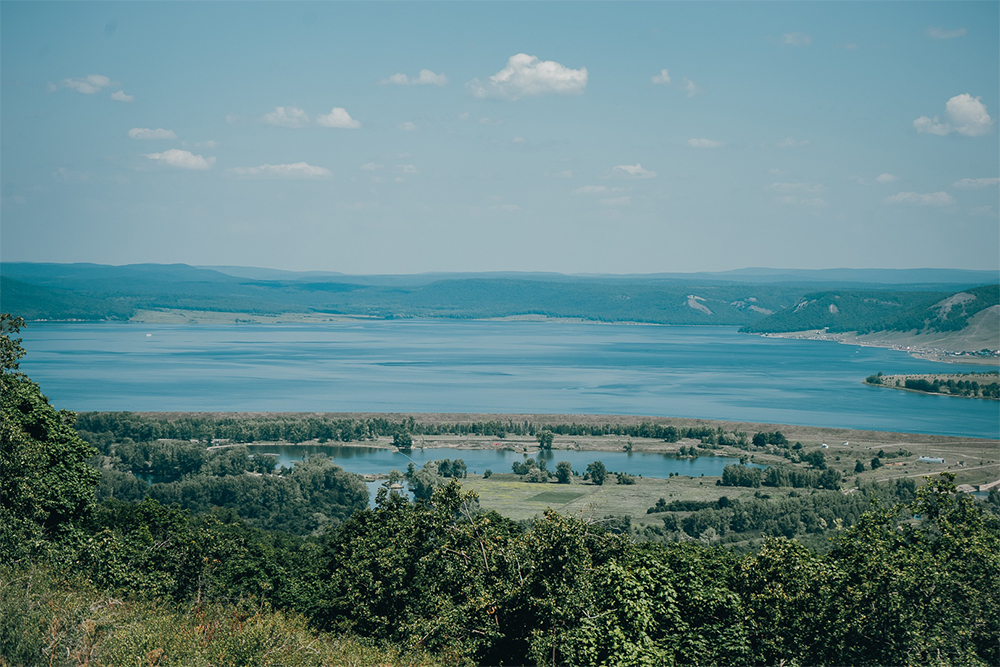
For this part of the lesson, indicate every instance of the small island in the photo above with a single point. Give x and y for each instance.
(969, 385)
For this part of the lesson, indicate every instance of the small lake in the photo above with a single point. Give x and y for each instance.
(373, 460)
(457, 366)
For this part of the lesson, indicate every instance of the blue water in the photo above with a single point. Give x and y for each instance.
(371, 460)
(494, 367)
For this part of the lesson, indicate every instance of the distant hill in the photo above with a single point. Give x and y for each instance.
(762, 303)
(872, 312)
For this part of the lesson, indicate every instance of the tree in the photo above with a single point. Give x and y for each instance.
(815, 458)
(46, 485)
(876, 463)
(545, 439)
(859, 466)
(402, 440)
(597, 472)
(564, 472)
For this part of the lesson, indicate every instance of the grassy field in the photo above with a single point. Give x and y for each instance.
(522, 500)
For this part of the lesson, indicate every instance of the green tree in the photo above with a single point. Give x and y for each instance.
(564, 472)
(545, 439)
(597, 472)
(47, 488)
(876, 463)
(859, 466)
(402, 440)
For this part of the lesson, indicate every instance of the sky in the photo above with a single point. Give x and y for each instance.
(383, 137)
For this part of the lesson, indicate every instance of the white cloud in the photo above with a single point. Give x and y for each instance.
(815, 201)
(984, 211)
(590, 189)
(965, 115)
(635, 170)
(371, 166)
(796, 187)
(88, 85)
(929, 199)
(663, 77)
(525, 76)
(405, 169)
(146, 133)
(425, 78)
(788, 142)
(851, 46)
(690, 88)
(617, 201)
(886, 178)
(287, 117)
(941, 33)
(338, 117)
(120, 96)
(976, 183)
(705, 143)
(518, 140)
(562, 174)
(796, 39)
(407, 126)
(51, 87)
(485, 120)
(295, 170)
(182, 159)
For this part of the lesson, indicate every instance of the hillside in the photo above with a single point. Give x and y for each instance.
(758, 299)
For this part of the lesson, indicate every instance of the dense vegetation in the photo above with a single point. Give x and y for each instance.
(867, 311)
(972, 385)
(107, 581)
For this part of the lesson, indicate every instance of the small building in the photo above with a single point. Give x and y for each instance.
(930, 459)
(825, 446)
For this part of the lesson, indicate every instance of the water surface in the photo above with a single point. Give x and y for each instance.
(491, 367)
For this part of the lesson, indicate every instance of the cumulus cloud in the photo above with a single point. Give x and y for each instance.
(705, 143)
(425, 78)
(964, 114)
(796, 39)
(338, 117)
(146, 133)
(690, 88)
(295, 170)
(590, 189)
(976, 183)
(182, 159)
(796, 187)
(617, 201)
(526, 76)
(929, 199)
(634, 170)
(120, 96)
(371, 166)
(941, 33)
(886, 178)
(407, 126)
(405, 169)
(287, 117)
(662, 78)
(88, 85)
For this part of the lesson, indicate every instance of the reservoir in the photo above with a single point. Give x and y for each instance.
(373, 460)
(457, 366)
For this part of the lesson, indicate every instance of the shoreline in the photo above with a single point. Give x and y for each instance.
(918, 352)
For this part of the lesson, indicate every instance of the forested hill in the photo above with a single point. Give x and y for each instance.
(745, 298)
(873, 311)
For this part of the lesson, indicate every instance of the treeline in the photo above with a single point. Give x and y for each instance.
(103, 428)
(442, 577)
(741, 475)
(796, 515)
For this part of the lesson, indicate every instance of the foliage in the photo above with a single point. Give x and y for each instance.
(545, 439)
(596, 472)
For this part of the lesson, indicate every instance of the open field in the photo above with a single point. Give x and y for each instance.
(522, 500)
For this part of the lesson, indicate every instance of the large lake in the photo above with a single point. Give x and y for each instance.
(493, 367)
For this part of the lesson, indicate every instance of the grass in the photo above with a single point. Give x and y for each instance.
(523, 500)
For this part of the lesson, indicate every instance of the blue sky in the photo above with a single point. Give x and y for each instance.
(574, 137)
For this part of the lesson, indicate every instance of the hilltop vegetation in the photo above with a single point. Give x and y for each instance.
(107, 581)
(758, 301)
(873, 311)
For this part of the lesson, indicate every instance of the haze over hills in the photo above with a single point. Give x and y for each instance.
(942, 302)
